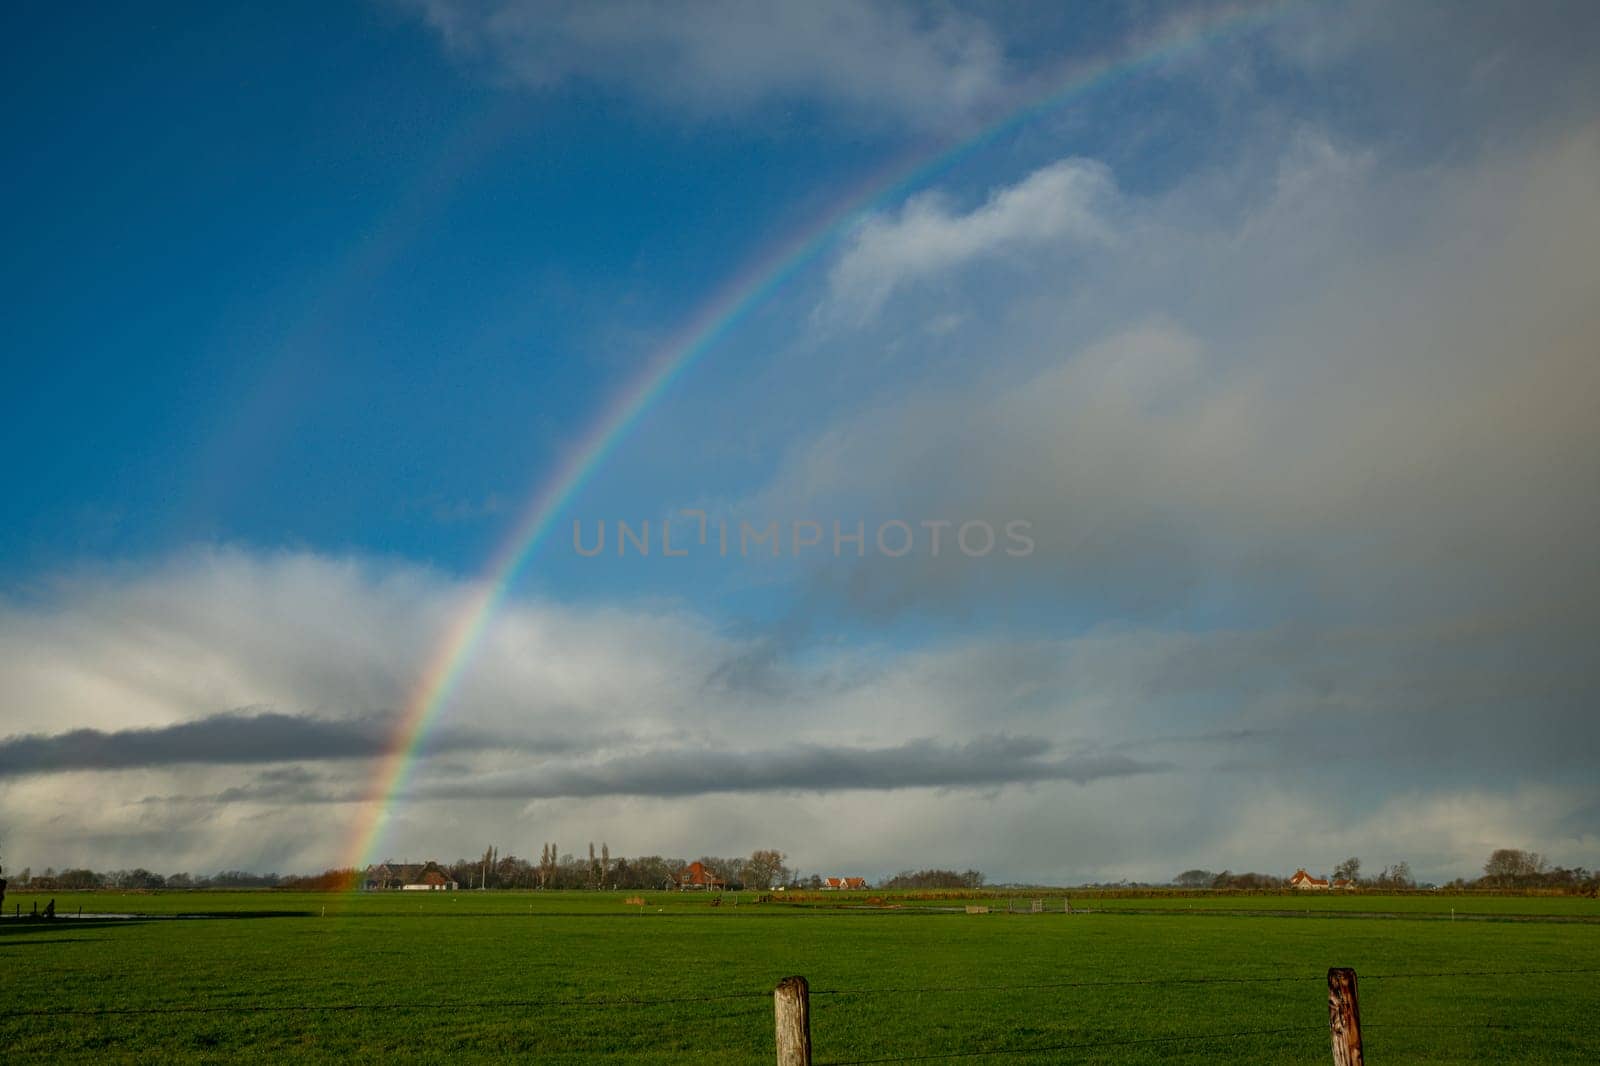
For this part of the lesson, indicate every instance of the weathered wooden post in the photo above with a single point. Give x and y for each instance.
(791, 1009)
(1344, 1017)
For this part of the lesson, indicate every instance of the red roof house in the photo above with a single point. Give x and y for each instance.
(696, 876)
(1301, 879)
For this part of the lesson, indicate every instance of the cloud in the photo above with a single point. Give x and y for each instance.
(1308, 471)
(1306, 447)
(238, 737)
(986, 762)
(280, 786)
(1066, 201)
(113, 675)
(329, 637)
(879, 62)
(1298, 402)
(1437, 831)
(1503, 68)
(601, 722)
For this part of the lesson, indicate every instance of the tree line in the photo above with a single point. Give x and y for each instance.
(140, 878)
(768, 868)
(934, 879)
(1505, 868)
(764, 868)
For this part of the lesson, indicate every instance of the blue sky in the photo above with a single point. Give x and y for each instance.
(318, 309)
(1275, 342)
(330, 308)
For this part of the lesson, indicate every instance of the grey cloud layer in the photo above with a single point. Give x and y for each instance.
(269, 737)
(229, 739)
(221, 739)
(984, 763)
(1350, 382)
(1068, 737)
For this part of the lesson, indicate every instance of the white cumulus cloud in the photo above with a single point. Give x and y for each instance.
(927, 238)
(881, 61)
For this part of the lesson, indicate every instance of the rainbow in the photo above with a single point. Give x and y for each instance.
(720, 315)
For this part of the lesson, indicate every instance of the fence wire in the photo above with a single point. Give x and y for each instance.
(652, 1001)
(1137, 981)
(284, 1008)
(1093, 1045)
(1037, 1049)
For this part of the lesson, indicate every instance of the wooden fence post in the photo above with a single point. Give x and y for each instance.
(1344, 1017)
(791, 1010)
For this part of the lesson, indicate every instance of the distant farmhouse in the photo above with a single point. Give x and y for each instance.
(695, 877)
(1305, 881)
(408, 877)
(843, 883)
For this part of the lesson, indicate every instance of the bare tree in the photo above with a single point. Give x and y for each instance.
(1349, 869)
(764, 868)
(1505, 865)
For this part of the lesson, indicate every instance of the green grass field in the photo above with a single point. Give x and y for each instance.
(582, 977)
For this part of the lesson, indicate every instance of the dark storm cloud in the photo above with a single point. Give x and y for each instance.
(983, 763)
(229, 738)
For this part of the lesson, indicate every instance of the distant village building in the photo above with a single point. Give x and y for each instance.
(1303, 880)
(837, 883)
(408, 877)
(696, 877)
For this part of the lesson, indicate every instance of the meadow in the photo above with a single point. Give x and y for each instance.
(585, 977)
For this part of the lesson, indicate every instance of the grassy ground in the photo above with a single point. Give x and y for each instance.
(505, 975)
